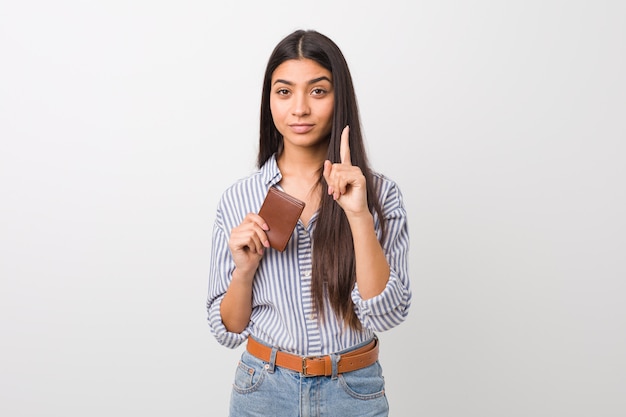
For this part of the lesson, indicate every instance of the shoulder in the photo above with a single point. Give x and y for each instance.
(388, 192)
(385, 186)
(243, 190)
(237, 200)
(247, 193)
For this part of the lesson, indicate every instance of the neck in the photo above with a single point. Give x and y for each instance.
(294, 163)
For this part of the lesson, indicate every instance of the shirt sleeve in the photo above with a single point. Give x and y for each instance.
(391, 306)
(220, 275)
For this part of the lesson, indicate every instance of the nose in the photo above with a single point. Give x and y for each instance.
(300, 106)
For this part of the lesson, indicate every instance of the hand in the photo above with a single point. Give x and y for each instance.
(346, 183)
(247, 242)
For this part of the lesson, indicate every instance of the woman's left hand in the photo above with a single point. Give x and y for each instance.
(346, 183)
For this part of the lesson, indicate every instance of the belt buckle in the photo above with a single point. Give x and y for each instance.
(304, 364)
(304, 358)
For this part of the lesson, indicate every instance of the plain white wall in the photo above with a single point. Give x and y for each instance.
(121, 122)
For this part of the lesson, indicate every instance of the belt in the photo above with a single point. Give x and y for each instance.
(317, 365)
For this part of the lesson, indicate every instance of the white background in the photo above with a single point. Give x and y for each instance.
(121, 122)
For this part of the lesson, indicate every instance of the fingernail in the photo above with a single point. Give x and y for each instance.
(265, 226)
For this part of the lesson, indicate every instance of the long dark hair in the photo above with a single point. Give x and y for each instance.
(334, 270)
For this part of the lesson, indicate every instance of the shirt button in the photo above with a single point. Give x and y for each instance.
(307, 274)
(312, 316)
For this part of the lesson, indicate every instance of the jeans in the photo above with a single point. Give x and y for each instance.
(264, 390)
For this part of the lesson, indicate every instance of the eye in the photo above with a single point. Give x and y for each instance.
(318, 91)
(282, 91)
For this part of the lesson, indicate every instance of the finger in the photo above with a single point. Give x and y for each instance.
(258, 228)
(245, 240)
(327, 169)
(264, 240)
(255, 218)
(258, 241)
(344, 146)
(260, 237)
(259, 222)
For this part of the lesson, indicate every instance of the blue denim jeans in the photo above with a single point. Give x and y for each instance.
(263, 390)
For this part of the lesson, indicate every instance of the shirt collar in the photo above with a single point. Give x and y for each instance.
(270, 172)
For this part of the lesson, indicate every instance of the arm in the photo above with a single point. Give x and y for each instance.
(247, 242)
(391, 306)
(372, 268)
(229, 301)
(346, 185)
(382, 295)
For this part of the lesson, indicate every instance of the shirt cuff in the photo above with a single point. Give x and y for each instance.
(222, 335)
(390, 304)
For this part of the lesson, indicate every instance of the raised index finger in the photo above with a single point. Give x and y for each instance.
(344, 146)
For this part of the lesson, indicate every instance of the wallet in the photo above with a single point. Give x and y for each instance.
(281, 213)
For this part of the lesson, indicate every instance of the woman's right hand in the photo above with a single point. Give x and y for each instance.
(247, 243)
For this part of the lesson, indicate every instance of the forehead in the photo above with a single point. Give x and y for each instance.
(300, 71)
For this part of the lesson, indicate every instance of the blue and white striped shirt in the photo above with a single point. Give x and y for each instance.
(282, 305)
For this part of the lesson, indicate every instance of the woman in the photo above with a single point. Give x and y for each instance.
(309, 313)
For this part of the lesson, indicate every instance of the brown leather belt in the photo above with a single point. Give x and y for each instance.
(317, 365)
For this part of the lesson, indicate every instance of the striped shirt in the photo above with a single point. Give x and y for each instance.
(283, 313)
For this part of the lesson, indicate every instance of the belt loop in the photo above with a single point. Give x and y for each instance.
(334, 359)
(272, 363)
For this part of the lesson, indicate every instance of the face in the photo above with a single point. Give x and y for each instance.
(301, 102)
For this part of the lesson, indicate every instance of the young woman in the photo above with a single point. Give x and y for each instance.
(310, 313)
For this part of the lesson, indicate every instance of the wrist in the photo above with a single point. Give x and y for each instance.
(362, 224)
(363, 217)
(243, 276)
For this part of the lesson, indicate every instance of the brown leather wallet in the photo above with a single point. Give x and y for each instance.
(281, 213)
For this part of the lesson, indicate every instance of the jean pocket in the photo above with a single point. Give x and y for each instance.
(366, 383)
(248, 376)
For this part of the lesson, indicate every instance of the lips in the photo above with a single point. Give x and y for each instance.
(301, 128)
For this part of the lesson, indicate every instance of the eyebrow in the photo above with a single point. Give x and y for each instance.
(313, 81)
